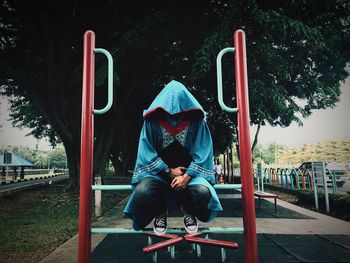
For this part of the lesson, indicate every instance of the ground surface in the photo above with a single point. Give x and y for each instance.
(33, 223)
(271, 248)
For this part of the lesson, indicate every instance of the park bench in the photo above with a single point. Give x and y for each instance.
(260, 195)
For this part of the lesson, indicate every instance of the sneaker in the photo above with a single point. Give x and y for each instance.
(160, 225)
(191, 224)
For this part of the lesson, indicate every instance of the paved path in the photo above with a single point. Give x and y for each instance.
(274, 233)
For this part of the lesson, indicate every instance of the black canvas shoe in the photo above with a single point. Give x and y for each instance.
(160, 225)
(191, 224)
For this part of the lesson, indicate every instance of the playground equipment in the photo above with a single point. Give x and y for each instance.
(317, 177)
(263, 195)
(247, 186)
(292, 178)
(228, 170)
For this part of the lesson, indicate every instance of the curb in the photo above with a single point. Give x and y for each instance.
(35, 185)
(32, 179)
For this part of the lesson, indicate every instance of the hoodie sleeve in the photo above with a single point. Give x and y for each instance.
(148, 162)
(202, 154)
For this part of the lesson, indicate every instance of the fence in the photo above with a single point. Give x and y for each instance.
(317, 178)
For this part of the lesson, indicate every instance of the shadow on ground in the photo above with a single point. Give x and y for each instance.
(233, 208)
(272, 248)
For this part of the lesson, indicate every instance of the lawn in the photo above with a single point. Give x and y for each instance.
(34, 223)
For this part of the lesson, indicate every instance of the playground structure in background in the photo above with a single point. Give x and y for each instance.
(312, 176)
(286, 176)
(86, 160)
(295, 178)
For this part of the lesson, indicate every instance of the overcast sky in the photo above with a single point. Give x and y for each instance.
(14, 136)
(321, 125)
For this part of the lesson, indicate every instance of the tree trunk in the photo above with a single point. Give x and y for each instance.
(117, 164)
(102, 148)
(255, 142)
(125, 167)
(121, 167)
(73, 158)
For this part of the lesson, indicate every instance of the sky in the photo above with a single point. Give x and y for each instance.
(10, 136)
(321, 125)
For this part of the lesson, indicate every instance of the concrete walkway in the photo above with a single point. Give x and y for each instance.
(307, 223)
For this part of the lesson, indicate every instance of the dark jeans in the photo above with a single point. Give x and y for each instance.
(150, 201)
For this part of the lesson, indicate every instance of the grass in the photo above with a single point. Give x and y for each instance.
(34, 223)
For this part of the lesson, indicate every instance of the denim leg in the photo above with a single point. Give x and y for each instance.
(149, 202)
(195, 200)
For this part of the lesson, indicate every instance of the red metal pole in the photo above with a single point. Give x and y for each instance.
(250, 239)
(193, 238)
(86, 155)
(163, 244)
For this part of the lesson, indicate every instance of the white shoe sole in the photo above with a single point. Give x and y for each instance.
(158, 232)
(192, 231)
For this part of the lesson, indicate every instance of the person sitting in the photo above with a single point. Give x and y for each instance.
(174, 167)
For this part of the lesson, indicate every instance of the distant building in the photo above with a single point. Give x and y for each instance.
(14, 162)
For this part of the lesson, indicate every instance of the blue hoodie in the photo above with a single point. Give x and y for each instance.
(195, 138)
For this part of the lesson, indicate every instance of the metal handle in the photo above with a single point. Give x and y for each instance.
(219, 79)
(110, 80)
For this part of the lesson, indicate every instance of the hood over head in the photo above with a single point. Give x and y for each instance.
(174, 99)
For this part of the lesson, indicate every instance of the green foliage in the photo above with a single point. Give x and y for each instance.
(266, 155)
(293, 56)
(25, 152)
(34, 223)
(56, 157)
(296, 60)
(23, 114)
(41, 160)
(339, 202)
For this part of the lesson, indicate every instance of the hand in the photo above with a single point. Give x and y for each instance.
(175, 172)
(180, 182)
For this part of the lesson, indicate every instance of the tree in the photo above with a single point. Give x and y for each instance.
(259, 154)
(295, 59)
(268, 155)
(26, 153)
(41, 160)
(41, 66)
(57, 157)
(291, 57)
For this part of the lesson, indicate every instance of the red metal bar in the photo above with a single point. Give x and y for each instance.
(193, 235)
(163, 244)
(210, 242)
(86, 155)
(250, 239)
(166, 235)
